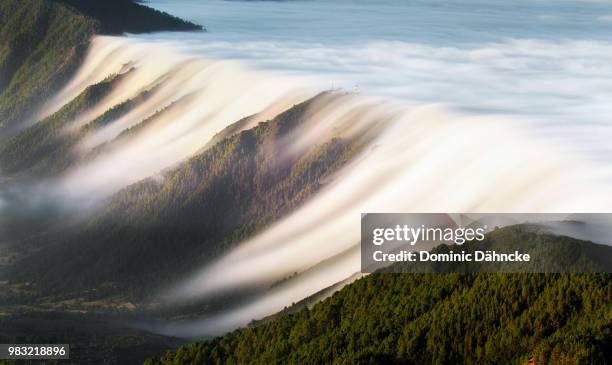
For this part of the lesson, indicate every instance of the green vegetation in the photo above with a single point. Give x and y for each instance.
(117, 111)
(47, 146)
(41, 45)
(159, 229)
(135, 18)
(133, 130)
(42, 42)
(187, 216)
(449, 318)
(549, 253)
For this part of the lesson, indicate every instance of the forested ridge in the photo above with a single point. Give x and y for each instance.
(451, 318)
(548, 253)
(189, 215)
(119, 16)
(42, 43)
(47, 147)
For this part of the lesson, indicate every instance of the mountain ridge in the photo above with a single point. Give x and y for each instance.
(431, 318)
(128, 16)
(43, 42)
(207, 204)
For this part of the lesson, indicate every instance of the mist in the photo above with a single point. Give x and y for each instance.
(417, 158)
(426, 160)
(512, 121)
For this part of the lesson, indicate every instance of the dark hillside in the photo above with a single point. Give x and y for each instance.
(41, 45)
(119, 16)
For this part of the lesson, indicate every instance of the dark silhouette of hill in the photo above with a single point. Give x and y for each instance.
(119, 16)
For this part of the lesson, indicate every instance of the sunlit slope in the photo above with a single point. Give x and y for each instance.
(43, 42)
(433, 319)
(41, 45)
(48, 146)
(169, 224)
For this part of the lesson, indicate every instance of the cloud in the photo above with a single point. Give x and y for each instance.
(426, 160)
(555, 87)
(511, 126)
(546, 83)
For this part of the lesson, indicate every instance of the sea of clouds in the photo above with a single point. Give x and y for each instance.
(491, 123)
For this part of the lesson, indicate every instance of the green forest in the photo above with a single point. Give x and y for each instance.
(181, 219)
(438, 318)
(158, 230)
(47, 146)
(453, 318)
(121, 16)
(42, 42)
(41, 45)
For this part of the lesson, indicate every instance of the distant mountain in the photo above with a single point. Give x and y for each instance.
(42, 42)
(548, 252)
(129, 16)
(450, 318)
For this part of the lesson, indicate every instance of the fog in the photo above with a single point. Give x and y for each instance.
(462, 112)
(553, 90)
(427, 160)
(545, 63)
(197, 99)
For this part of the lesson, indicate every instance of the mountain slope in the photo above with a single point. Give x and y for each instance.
(41, 45)
(548, 252)
(42, 42)
(158, 229)
(448, 318)
(46, 146)
(119, 16)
